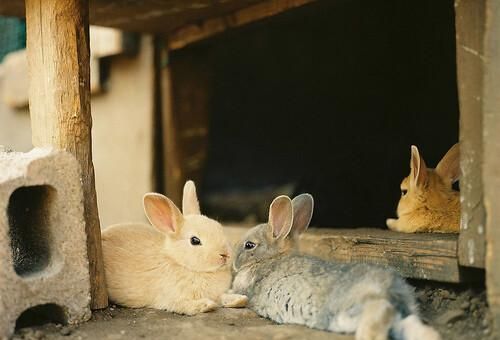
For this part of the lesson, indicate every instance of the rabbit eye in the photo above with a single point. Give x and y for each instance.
(249, 245)
(404, 192)
(195, 241)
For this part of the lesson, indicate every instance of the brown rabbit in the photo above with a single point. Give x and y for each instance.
(428, 202)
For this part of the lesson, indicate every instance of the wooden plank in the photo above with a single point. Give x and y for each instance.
(203, 29)
(470, 19)
(491, 158)
(185, 108)
(59, 101)
(418, 256)
(155, 16)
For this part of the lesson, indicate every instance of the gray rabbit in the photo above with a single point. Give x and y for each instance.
(286, 287)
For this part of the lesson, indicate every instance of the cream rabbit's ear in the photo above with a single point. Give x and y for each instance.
(190, 204)
(418, 174)
(162, 213)
(281, 216)
(303, 206)
(449, 166)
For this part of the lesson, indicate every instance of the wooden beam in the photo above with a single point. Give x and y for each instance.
(59, 101)
(206, 28)
(419, 256)
(470, 19)
(185, 110)
(491, 158)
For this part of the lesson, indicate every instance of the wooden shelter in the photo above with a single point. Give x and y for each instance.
(58, 53)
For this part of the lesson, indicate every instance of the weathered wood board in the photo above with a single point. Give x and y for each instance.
(157, 16)
(470, 25)
(491, 157)
(59, 101)
(202, 29)
(418, 256)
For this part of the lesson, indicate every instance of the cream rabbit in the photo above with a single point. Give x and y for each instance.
(428, 203)
(181, 265)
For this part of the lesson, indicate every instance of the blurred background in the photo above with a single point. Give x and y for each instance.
(326, 98)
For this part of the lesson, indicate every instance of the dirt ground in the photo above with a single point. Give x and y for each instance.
(458, 312)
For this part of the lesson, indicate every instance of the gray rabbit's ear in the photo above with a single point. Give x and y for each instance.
(303, 207)
(449, 166)
(162, 213)
(281, 216)
(190, 204)
(418, 174)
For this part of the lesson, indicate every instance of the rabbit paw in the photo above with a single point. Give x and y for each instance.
(234, 300)
(201, 306)
(392, 224)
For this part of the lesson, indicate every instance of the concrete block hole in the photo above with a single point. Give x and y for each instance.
(29, 214)
(40, 315)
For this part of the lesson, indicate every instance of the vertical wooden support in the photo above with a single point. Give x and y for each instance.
(470, 25)
(186, 96)
(59, 101)
(491, 157)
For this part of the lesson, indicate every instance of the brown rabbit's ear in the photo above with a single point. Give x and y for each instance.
(418, 174)
(303, 206)
(190, 204)
(281, 216)
(162, 213)
(449, 166)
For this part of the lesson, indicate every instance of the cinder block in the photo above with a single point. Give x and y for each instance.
(43, 253)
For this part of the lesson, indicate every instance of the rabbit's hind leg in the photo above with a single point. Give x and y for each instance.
(376, 320)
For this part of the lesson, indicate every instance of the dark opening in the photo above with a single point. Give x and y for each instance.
(327, 99)
(40, 315)
(29, 220)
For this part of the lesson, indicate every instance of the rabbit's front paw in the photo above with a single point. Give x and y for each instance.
(201, 306)
(392, 224)
(234, 300)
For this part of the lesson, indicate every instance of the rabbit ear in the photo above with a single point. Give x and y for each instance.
(190, 204)
(303, 206)
(162, 213)
(281, 216)
(449, 166)
(418, 174)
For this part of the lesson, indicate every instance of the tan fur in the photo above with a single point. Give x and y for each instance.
(160, 268)
(430, 204)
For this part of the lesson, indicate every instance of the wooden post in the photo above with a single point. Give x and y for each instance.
(59, 101)
(470, 22)
(491, 157)
(186, 95)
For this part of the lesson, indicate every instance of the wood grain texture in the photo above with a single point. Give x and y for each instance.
(185, 108)
(59, 101)
(206, 28)
(470, 24)
(419, 256)
(154, 16)
(491, 158)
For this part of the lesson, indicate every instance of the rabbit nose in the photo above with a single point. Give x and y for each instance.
(224, 257)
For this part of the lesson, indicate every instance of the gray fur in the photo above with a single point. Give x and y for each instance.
(288, 287)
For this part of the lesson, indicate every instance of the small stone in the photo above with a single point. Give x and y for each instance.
(450, 316)
(465, 305)
(65, 331)
(485, 322)
(445, 294)
(486, 331)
